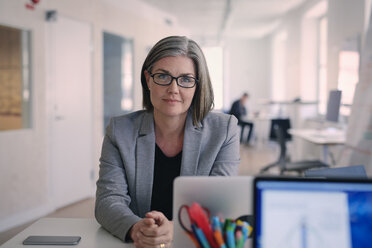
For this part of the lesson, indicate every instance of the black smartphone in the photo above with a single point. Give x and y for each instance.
(52, 240)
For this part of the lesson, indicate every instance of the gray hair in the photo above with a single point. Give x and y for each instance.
(202, 102)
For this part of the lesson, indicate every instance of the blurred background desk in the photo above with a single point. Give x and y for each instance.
(261, 128)
(91, 233)
(324, 137)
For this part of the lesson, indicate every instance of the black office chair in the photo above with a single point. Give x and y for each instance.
(282, 162)
(284, 124)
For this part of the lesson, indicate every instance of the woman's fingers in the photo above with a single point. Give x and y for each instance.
(153, 231)
(159, 217)
(136, 232)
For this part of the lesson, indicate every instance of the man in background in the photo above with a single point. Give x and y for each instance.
(239, 111)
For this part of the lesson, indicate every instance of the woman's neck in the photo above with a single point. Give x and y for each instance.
(169, 133)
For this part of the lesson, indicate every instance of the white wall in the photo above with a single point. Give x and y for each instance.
(247, 65)
(345, 20)
(24, 168)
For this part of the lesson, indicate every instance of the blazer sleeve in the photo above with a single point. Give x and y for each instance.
(228, 157)
(112, 198)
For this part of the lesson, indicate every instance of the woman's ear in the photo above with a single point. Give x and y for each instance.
(147, 76)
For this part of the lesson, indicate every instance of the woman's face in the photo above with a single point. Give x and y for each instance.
(171, 100)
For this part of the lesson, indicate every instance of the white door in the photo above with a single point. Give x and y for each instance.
(69, 75)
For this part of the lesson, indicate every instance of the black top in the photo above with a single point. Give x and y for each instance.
(166, 169)
(238, 110)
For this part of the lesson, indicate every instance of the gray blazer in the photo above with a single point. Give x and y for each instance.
(125, 181)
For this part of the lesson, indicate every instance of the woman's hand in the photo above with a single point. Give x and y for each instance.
(154, 231)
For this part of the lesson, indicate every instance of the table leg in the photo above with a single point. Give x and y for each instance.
(325, 154)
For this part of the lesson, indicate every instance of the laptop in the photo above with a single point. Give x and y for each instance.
(309, 212)
(226, 197)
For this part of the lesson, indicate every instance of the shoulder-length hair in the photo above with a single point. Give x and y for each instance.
(203, 99)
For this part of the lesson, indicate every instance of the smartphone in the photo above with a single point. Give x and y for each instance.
(52, 240)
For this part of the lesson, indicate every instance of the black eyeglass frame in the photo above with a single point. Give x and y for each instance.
(176, 78)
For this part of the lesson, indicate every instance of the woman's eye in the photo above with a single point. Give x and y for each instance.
(186, 79)
(163, 76)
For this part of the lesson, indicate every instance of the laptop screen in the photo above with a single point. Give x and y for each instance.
(309, 213)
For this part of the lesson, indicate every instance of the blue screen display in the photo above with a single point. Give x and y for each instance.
(301, 207)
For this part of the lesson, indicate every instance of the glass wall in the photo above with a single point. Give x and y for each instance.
(15, 79)
(117, 75)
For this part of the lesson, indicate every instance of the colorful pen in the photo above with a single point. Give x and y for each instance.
(230, 234)
(217, 232)
(239, 239)
(245, 227)
(200, 236)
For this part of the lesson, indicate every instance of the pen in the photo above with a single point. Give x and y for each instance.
(230, 234)
(245, 227)
(239, 239)
(200, 236)
(226, 224)
(217, 232)
(222, 223)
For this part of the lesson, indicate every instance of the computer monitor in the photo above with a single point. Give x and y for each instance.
(312, 213)
(333, 107)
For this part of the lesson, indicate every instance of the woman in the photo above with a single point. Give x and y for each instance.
(175, 135)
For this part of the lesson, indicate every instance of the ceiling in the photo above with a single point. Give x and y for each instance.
(216, 19)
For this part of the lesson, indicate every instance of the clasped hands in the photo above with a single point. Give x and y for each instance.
(153, 231)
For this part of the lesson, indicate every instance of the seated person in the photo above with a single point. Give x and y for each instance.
(176, 134)
(239, 111)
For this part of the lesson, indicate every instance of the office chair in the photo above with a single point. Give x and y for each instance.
(282, 162)
(284, 124)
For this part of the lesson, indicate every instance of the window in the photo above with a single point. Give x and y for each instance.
(118, 75)
(348, 77)
(15, 79)
(214, 57)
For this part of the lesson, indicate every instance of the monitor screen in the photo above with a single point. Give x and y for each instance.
(333, 107)
(313, 213)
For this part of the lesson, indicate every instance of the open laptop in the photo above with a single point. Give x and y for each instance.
(226, 197)
(304, 212)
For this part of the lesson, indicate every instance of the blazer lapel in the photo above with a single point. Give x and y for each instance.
(191, 148)
(145, 157)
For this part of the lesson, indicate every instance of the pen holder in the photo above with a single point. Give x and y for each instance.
(206, 231)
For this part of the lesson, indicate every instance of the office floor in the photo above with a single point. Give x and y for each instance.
(253, 158)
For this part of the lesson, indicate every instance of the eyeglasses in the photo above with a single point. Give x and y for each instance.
(166, 79)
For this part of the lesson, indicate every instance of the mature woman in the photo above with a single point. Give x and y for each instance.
(175, 135)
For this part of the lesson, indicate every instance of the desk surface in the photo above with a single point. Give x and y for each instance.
(92, 234)
(320, 137)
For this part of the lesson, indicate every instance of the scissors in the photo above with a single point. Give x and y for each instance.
(198, 219)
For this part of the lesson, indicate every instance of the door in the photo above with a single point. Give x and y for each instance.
(69, 73)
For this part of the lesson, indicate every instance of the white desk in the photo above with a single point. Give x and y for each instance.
(92, 234)
(261, 127)
(324, 137)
